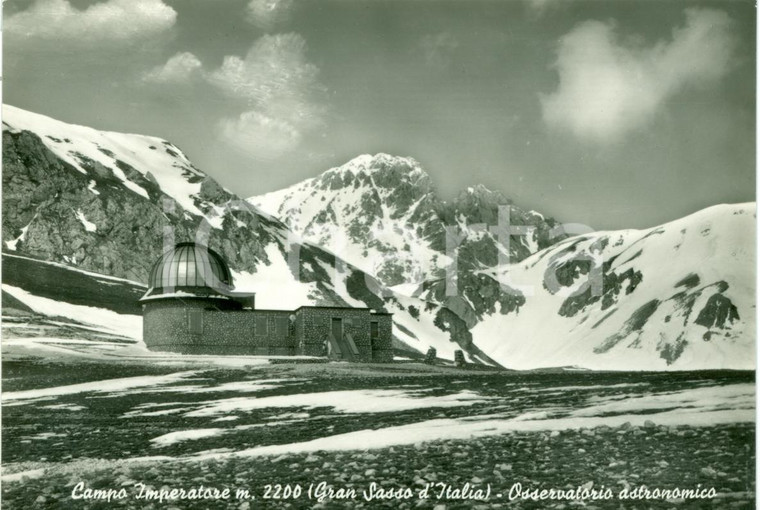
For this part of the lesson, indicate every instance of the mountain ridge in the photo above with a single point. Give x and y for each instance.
(673, 297)
(489, 280)
(386, 206)
(111, 203)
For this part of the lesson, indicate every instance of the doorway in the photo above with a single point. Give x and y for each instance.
(334, 342)
(337, 329)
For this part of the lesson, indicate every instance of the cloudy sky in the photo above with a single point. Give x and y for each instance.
(613, 114)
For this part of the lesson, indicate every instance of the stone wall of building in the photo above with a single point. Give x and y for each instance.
(382, 345)
(317, 329)
(165, 325)
(212, 326)
(168, 326)
(273, 331)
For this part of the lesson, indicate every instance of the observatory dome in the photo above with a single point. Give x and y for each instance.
(190, 267)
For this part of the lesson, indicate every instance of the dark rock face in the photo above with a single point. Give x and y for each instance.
(612, 284)
(213, 192)
(491, 209)
(447, 320)
(671, 352)
(358, 287)
(719, 312)
(689, 281)
(42, 193)
(601, 282)
(634, 324)
(482, 242)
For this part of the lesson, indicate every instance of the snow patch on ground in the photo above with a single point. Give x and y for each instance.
(125, 325)
(91, 187)
(108, 385)
(356, 401)
(693, 413)
(185, 435)
(65, 407)
(714, 398)
(17, 477)
(13, 243)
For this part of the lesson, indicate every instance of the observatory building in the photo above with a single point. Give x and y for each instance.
(191, 308)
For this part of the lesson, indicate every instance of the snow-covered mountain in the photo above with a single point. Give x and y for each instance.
(378, 212)
(382, 214)
(105, 202)
(678, 296)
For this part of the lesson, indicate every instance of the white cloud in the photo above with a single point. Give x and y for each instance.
(274, 67)
(260, 136)
(266, 14)
(180, 68)
(278, 86)
(112, 21)
(608, 88)
(274, 87)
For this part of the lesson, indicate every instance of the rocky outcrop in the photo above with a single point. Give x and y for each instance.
(45, 199)
(719, 312)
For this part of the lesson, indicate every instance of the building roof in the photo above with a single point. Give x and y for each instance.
(189, 266)
(371, 311)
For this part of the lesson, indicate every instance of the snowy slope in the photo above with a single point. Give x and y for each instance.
(85, 148)
(679, 296)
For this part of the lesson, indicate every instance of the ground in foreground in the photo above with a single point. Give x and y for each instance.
(179, 424)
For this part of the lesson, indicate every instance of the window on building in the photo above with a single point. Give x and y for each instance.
(374, 330)
(261, 326)
(195, 322)
(281, 326)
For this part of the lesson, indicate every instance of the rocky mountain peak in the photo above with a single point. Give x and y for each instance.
(481, 192)
(378, 171)
(475, 199)
(395, 225)
(381, 162)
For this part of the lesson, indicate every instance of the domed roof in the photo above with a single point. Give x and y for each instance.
(190, 265)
